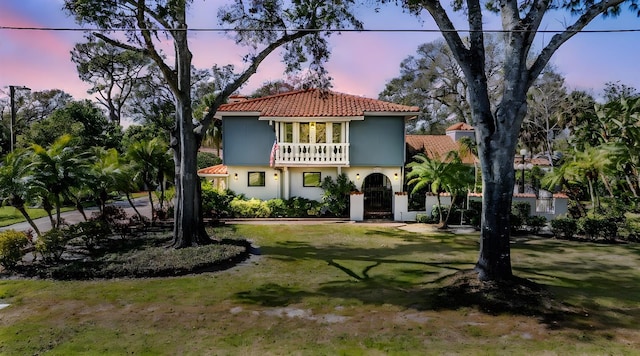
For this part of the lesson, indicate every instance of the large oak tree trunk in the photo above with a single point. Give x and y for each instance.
(188, 229)
(497, 137)
(494, 262)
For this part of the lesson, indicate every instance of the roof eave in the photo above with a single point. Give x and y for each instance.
(221, 114)
(311, 118)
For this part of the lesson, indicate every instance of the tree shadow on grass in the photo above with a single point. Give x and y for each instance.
(390, 275)
(273, 295)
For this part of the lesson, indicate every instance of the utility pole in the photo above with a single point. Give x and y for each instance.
(12, 94)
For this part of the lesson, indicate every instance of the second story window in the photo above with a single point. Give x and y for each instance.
(287, 134)
(312, 132)
(303, 135)
(320, 132)
(337, 132)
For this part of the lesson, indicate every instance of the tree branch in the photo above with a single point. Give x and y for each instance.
(509, 13)
(119, 44)
(237, 83)
(154, 15)
(476, 36)
(151, 51)
(560, 38)
(448, 30)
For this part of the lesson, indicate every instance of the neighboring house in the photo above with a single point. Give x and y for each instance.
(285, 145)
(542, 203)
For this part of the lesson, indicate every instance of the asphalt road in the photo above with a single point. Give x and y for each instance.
(72, 217)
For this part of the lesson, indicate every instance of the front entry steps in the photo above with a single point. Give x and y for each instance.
(378, 215)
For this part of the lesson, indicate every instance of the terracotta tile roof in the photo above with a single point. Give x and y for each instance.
(220, 170)
(434, 146)
(461, 126)
(311, 103)
(536, 161)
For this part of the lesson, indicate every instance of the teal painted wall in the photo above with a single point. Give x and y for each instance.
(247, 141)
(377, 141)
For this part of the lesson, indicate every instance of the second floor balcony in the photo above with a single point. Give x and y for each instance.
(311, 154)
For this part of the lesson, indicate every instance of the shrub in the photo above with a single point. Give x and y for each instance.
(12, 243)
(630, 230)
(252, 208)
(110, 214)
(336, 194)
(616, 207)
(52, 244)
(536, 223)
(521, 209)
(278, 208)
(594, 227)
(92, 233)
(564, 227)
(474, 213)
(207, 159)
(302, 207)
(426, 219)
(520, 212)
(216, 203)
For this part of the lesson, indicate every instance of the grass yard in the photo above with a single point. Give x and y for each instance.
(351, 289)
(10, 215)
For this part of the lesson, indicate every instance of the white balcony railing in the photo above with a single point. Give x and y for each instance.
(319, 154)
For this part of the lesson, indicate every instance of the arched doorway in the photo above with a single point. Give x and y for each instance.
(378, 196)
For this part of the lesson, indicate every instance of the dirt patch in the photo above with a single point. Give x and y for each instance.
(306, 314)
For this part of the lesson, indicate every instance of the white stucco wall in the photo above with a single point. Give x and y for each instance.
(239, 182)
(358, 174)
(297, 188)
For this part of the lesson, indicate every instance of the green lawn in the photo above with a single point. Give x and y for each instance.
(10, 215)
(350, 289)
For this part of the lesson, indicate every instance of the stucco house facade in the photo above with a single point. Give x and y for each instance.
(283, 146)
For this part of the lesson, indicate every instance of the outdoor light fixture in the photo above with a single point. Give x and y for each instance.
(395, 176)
(275, 176)
(522, 166)
(235, 176)
(358, 176)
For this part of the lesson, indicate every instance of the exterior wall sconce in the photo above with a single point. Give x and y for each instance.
(275, 176)
(235, 176)
(395, 176)
(358, 176)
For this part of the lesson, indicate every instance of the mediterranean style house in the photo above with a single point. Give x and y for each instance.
(284, 146)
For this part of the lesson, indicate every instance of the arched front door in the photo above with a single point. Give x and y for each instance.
(377, 196)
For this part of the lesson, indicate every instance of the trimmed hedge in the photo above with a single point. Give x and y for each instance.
(564, 228)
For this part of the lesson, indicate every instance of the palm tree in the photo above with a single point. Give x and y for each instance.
(469, 148)
(59, 169)
(561, 178)
(104, 171)
(446, 174)
(125, 183)
(588, 166)
(152, 162)
(16, 183)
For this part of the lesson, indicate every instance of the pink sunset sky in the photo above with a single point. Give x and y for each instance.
(361, 63)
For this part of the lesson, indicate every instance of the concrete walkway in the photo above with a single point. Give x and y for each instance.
(73, 217)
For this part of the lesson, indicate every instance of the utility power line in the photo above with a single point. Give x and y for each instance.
(84, 29)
